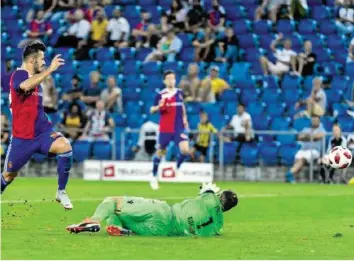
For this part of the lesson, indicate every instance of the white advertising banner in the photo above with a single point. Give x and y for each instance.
(142, 171)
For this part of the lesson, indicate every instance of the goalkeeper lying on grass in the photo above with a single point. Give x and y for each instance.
(201, 216)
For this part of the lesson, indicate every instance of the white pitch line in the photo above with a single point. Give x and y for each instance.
(172, 198)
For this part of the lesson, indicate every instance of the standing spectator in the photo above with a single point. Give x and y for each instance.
(146, 146)
(345, 17)
(118, 29)
(140, 31)
(195, 17)
(217, 17)
(167, 48)
(50, 95)
(190, 84)
(305, 61)
(99, 124)
(39, 28)
(205, 128)
(78, 31)
(217, 84)
(112, 96)
(351, 51)
(310, 150)
(177, 15)
(316, 103)
(204, 45)
(283, 57)
(93, 93)
(226, 49)
(73, 122)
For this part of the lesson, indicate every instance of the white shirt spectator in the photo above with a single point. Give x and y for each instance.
(105, 95)
(118, 26)
(238, 121)
(284, 55)
(80, 29)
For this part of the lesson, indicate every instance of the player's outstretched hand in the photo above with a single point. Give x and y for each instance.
(56, 63)
(208, 186)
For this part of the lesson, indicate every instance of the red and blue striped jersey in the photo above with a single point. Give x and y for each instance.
(28, 117)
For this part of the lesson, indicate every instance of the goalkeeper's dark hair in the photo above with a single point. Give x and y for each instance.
(228, 200)
(167, 72)
(33, 47)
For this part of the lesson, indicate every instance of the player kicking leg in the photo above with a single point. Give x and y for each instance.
(32, 132)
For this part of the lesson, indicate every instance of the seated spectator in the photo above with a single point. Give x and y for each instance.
(195, 17)
(5, 137)
(351, 51)
(93, 93)
(304, 62)
(268, 10)
(177, 15)
(217, 84)
(283, 57)
(146, 146)
(59, 5)
(91, 11)
(216, 19)
(75, 93)
(310, 150)
(140, 31)
(345, 17)
(77, 31)
(204, 45)
(99, 124)
(201, 146)
(337, 139)
(39, 28)
(316, 103)
(50, 95)
(152, 37)
(112, 96)
(167, 48)
(119, 30)
(73, 122)
(164, 26)
(190, 85)
(298, 9)
(226, 48)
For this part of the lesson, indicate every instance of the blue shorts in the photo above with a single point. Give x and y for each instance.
(165, 138)
(20, 151)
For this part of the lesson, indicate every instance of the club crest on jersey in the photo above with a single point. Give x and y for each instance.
(53, 135)
(184, 136)
(9, 165)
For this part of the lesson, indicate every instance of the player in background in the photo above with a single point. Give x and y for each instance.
(32, 132)
(173, 124)
(201, 216)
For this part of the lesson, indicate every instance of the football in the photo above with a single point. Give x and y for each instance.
(340, 158)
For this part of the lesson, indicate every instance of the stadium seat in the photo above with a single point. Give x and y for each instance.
(110, 67)
(307, 27)
(268, 153)
(186, 39)
(131, 12)
(212, 109)
(301, 123)
(327, 123)
(262, 27)
(229, 152)
(142, 53)
(333, 96)
(120, 120)
(249, 154)
(268, 81)
(265, 41)
(132, 107)
(133, 81)
(260, 122)
(255, 108)
(85, 67)
(280, 124)
(247, 41)
(285, 26)
(286, 139)
(127, 53)
(155, 83)
(240, 72)
(328, 28)
(251, 95)
(104, 54)
(340, 82)
(292, 82)
(174, 66)
(131, 67)
(242, 27)
(346, 123)
(287, 153)
(81, 150)
(151, 68)
(193, 108)
(230, 108)
(102, 150)
(349, 70)
(271, 95)
(320, 13)
(187, 54)
(290, 97)
(131, 94)
(193, 121)
(229, 96)
(275, 109)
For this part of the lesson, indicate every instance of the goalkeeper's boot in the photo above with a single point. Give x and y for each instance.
(63, 199)
(86, 226)
(154, 184)
(117, 231)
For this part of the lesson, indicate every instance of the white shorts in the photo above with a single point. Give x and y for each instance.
(306, 154)
(278, 68)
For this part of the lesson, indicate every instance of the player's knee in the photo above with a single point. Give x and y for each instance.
(10, 176)
(64, 146)
(186, 151)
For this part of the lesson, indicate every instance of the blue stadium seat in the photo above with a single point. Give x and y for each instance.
(307, 27)
(102, 150)
(242, 27)
(212, 109)
(187, 54)
(255, 108)
(186, 39)
(131, 67)
(327, 122)
(135, 120)
(349, 70)
(301, 123)
(335, 42)
(265, 41)
(286, 139)
(131, 94)
(285, 26)
(320, 13)
(328, 28)
(287, 153)
(131, 12)
(132, 81)
(229, 152)
(235, 12)
(333, 96)
(81, 150)
(260, 122)
(346, 123)
(247, 41)
(262, 27)
(142, 53)
(229, 96)
(252, 55)
(85, 67)
(104, 54)
(250, 95)
(127, 53)
(230, 108)
(323, 55)
(275, 109)
(193, 121)
(9, 13)
(150, 68)
(240, 72)
(66, 53)
(249, 11)
(291, 82)
(110, 67)
(280, 124)
(120, 120)
(193, 108)
(268, 153)
(175, 66)
(340, 82)
(317, 40)
(271, 95)
(155, 82)
(312, 3)
(132, 107)
(249, 154)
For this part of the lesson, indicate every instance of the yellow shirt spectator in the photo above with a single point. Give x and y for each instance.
(98, 29)
(204, 134)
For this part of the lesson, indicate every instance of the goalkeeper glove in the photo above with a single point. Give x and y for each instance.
(208, 186)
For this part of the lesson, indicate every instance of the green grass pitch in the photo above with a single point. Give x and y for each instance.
(272, 221)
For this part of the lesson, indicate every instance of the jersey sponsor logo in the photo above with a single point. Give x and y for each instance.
(9, 165)
(35, 94)
(130, 201)
(109, 171)
(191, 225)
(174, 104)
(168, 172)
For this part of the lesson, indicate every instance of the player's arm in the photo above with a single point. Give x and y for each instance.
(36, 79)
(159, 104)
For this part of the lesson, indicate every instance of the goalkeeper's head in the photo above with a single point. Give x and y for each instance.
(228, 200)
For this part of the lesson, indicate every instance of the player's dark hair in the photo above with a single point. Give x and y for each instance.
(167, 73)
(33, 48)
(228, 200)
(241, 104)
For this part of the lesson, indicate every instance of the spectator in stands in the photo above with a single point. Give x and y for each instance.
(345, 17)
(316, 103)
(177, 15)
(217, 84)
(99, 124)
(216, 19)
(93, 93)
(92, 10)
(298, 9)
(304, 62)
(226, 48)
(146, 146)
(73, 122)
(164, 26)
(351, 51)
(190, 84)
(78, 31)
(5, 135)
(310, 150)
(75, 93)
(52, 6)
(152, 37)
(337, 139)
(204, 45)
(283, 57)
(50, 95)
(167, 48)
(119, 30)
(350, 142)
(268, 9)
(39, 28)
(195, 17)
(112, 96)
(140, 31)
(205, 128)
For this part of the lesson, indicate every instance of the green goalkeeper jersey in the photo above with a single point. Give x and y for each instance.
(201, 216)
